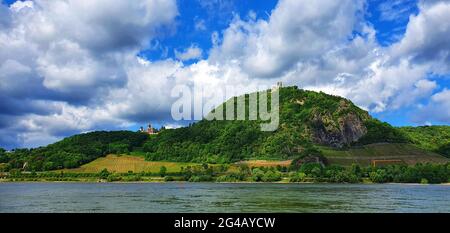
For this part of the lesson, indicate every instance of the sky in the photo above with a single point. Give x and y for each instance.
(75, 66)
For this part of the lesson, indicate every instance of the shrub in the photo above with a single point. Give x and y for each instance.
(232, 177)
(298, 177)
(257, 174)
(162, 171)
(271, 176)
(104, 174)
(424, 181)
(379, 176)
(201, 178)
(168, 178)
(132, 178)
(113, 177)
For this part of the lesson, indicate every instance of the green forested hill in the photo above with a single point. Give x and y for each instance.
(73, 151)
(309, 122)
(433, 138)
(307, 118)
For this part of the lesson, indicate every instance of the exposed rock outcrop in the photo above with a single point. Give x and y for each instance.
(340, 129)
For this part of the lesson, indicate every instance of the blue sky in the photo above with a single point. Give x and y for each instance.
(389, 19)
(191, 13)
(208, 18)
(94, 65)
(389, 26)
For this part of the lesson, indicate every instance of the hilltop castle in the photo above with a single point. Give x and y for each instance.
(150, 130)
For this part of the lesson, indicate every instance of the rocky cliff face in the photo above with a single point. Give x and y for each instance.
(340, 128)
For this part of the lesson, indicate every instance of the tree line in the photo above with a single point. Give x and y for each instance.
(73, 151)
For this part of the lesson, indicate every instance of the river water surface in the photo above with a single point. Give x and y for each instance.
(220, 197)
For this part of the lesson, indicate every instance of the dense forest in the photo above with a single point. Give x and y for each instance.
(72, 151)
(432, 138)
(307, 119)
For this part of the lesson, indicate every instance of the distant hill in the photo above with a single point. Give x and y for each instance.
(312, 126)
(307, 119)
(432, 138)
(73, 151)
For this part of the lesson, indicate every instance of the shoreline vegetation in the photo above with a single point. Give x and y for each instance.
(242, 173)
(213, 182)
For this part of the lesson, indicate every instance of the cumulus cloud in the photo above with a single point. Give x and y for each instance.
(426, 37)
(60, 58)
(68, 67)
(399, 77)
(193, 52)
(74, 46)
(437, 108)
(297, 32)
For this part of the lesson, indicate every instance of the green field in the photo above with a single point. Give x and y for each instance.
(125, 163)
(136, 163)
(407, 153)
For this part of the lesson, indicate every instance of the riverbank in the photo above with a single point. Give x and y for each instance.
(306, 173)
(162, 181)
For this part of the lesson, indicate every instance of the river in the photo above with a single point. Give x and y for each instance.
(222, 197)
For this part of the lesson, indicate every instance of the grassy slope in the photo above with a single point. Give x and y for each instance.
(432, 138)
(363, 155)
(127, 163)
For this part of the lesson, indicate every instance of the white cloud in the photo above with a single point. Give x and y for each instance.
(438, 109)
(80, 62)
(193, 52)
(297, 32)
(426, 37)
(72, 44)
(58, 59)
(382, 85)
(173, 126)
(17, 6)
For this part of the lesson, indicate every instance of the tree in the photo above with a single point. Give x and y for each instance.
(298, 177)
(118, 148)
(355, 170)
(104, 174)
(162, 171)
(311, 169)
(271, 176)
(3, 156)
(444, 150)
(257, 174)
(379, 176)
